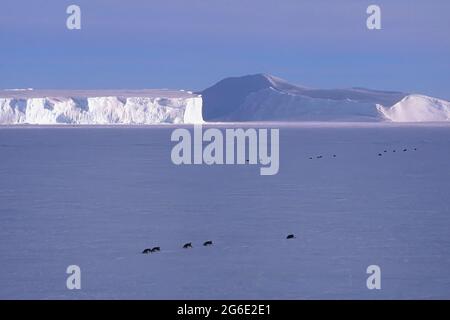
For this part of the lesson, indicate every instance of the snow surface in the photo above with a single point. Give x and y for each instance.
(96, 197)
(417, 108)
(99, 107)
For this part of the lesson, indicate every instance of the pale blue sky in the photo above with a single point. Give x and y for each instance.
(192, 44)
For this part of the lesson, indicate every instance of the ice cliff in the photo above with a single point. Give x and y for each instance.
(100, 107)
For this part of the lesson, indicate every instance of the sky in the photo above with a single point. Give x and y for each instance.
(192, 44)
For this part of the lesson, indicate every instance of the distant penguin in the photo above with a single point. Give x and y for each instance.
(385, 151)
(319, 157)
(147, 251)
(334, 156)
(404, 150)
(156, 249)
(290, 236)
(394, 151)
(187, 245)
(310, 158)
(379, 154)
(208, 243)
(415, 149)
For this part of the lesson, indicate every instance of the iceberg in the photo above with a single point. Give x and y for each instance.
(107, 107)
(263, 97)
(417, 108)
(251, 98)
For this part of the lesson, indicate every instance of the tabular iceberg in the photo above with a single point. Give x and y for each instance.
(100, 107)
(259, 97)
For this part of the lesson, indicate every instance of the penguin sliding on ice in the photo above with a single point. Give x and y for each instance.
(151, 250)
(187, 245)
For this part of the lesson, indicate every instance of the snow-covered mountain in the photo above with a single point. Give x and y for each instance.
(99, 107)
(267, 98)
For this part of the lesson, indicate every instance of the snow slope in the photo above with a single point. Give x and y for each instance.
(417, 108)
(264, 97)
(99, 107)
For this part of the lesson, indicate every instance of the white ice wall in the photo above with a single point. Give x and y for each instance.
(101, 110)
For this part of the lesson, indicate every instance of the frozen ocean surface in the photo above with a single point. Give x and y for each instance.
(96, 197)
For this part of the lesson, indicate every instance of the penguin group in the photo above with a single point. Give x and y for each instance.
(185, 246)
(395, 151)
(189, 245)
(151, 250)
(379, 154)
(321, 157)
